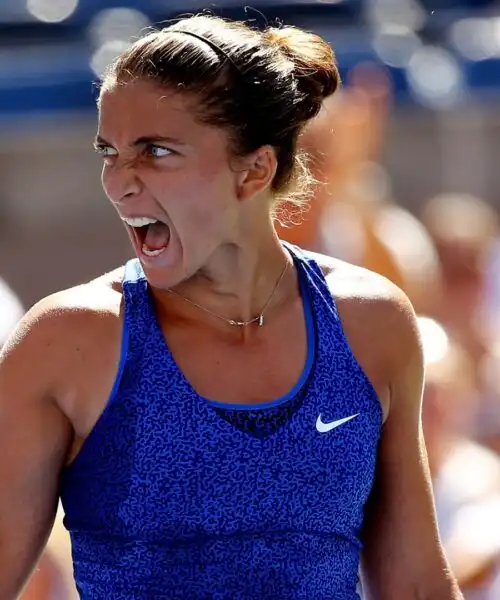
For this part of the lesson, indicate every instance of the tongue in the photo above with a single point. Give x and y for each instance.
(157, 236)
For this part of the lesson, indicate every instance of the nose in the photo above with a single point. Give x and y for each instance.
(121, 182)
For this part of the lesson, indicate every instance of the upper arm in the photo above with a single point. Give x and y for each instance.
(403, 556)
(34, 438)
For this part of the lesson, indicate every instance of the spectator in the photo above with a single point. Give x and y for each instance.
(466, 475)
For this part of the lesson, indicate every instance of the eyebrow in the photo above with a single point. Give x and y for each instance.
(142, 141)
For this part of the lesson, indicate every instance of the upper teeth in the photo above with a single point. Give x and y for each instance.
(139, 221)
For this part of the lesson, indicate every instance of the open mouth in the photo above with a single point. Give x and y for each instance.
(151, 235)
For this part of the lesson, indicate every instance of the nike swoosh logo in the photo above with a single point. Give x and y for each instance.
(325, 427)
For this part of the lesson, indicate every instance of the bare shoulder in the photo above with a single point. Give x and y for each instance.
(354, 284)
(61, 329)
(378, 319)
(366, 294)
(82, 303)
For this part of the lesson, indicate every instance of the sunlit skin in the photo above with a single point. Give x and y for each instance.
(217, 247)
(161, 162)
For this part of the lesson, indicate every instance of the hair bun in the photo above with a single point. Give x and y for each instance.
(315, 66)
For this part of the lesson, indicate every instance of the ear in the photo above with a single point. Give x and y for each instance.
(255, 172)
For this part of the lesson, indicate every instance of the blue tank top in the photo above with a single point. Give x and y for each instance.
(175, 496)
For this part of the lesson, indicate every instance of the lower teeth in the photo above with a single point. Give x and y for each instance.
(149, 252)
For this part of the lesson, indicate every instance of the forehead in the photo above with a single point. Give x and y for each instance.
(137, 108)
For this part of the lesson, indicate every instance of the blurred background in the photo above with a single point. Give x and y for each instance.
(407, 159)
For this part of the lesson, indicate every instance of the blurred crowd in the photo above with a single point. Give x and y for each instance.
(447, 259)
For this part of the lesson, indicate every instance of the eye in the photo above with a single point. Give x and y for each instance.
(105, 151)
(158, 151)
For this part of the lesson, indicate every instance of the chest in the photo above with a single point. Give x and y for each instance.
(192, 470)
(243, 367)
(175, 464)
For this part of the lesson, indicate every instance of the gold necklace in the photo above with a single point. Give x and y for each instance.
(259, 319)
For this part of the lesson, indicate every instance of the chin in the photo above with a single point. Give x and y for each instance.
(165, 270)
(162, 278)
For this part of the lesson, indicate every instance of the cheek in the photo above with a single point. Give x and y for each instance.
(201, 214)
(197, 203)
(107, 183)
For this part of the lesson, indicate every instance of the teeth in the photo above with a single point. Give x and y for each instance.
(149, 252)
(139, 221)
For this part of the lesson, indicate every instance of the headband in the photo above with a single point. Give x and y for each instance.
(212, 45)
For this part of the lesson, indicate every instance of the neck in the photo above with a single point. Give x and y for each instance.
(237, 281)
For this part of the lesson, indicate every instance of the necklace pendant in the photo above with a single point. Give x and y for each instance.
(261, 320)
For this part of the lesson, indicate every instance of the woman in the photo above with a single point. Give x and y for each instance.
(211, 415)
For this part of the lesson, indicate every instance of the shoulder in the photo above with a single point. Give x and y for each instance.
(85, 302)
(378, 319)
(67, 322)
(365, 294)
(349, 281)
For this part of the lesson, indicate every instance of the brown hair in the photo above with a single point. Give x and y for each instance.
(262, 86)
